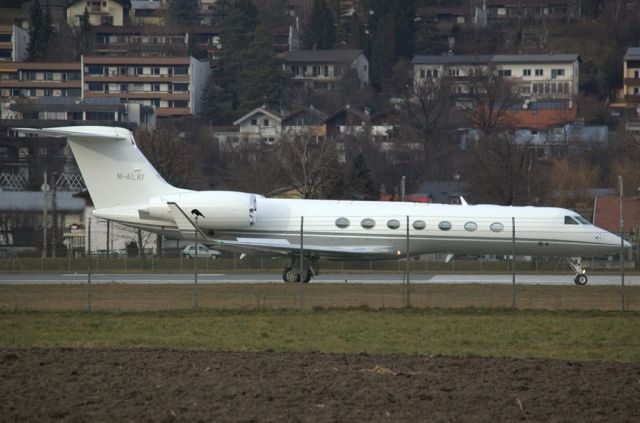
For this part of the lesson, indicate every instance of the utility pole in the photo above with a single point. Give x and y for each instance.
(45, 189)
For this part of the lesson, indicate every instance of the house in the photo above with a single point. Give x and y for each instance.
(534, 76)
(345, 122)
(148, 12)
(549, 128)
(325, 69)
(308, 121)
(173, 85)
(13, 43)
(260, 125)
(101, 12)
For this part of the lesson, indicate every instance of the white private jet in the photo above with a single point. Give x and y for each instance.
(126, 188)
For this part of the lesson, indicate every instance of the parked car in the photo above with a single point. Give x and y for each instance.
(190, 252)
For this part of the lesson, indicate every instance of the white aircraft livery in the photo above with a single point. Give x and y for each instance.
(126, 188)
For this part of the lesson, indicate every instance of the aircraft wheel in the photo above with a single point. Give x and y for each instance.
(307, 278)
(290, 275)
(581, 280)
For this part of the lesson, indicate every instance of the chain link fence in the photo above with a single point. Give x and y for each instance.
(107, 266)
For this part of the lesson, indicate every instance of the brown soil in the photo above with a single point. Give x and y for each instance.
(167, 385)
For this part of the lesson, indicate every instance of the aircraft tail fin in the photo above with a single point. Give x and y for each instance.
(114, 169)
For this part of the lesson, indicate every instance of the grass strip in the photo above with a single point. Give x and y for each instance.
(571, 335)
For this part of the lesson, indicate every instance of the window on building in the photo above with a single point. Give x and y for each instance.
(423, 73)
(526, 72)
(180, 70)
(254, 122)
(265, 122)
(539, 72)
(504, 73)
(556, 73)
(139, 70)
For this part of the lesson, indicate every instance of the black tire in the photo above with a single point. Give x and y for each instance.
(308, 276)
(581, 280)
(289, 276)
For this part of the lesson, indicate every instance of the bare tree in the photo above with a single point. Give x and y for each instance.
(430, 112)
(490, 97)
(503, 171)
(308, 165)
(173, 156)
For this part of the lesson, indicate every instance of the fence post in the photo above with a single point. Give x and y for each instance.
(620, 180)
(88, 305)
(195, 271)
(301, 282)
(513, 263)
(408, 270)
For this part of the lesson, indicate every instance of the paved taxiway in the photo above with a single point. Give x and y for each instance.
(161, 278)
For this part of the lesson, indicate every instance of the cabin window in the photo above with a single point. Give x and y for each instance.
(393, 224)
(368, 223)
(342, 222)
(444, 225)
(419, 225)
(497, 227)
(471, 226)
(582, 220)
(568, 220)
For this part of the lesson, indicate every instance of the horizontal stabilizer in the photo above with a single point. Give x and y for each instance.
(185, 225)
(93, 133)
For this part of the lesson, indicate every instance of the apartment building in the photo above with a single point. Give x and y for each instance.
(173, 85)
(325, 69)
(13, 43)
(156, 40)
(32, 79)
(501, 10)
(534, 76)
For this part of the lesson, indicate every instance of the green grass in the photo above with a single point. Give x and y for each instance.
(574, 335)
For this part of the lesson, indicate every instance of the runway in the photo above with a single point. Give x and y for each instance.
(363, 278)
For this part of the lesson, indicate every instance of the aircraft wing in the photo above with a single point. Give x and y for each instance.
(187, 229)
(283, 246)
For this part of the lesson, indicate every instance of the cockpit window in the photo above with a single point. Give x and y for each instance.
(568, 220)
(582, 220)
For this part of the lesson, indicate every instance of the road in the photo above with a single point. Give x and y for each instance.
(372, 278)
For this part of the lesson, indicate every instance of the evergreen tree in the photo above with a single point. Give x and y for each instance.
(85, 38)
(261, 80)
(383, 54)
(405, 14)
(361, 176)
(35, 50)
(321, 31)
(248, 75)
(184, 12)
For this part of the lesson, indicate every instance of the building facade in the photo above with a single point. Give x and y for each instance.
(101, 12)
(325, 69)
(13, 43)
(534, 76)
(173, 85)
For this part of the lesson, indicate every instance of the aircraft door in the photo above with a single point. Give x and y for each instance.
(253, 209)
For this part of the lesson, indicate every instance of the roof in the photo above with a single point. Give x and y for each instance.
(263, 110)
(309, 111)
(537, 116)
(442, 191)
(32, 201)
(567, 3)
(156, 29)
(607, 213)
(321, 56)
(130, 60)
(475, 59)
(633, 53)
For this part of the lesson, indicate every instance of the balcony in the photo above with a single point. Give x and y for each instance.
(116, 78)
(632, 81)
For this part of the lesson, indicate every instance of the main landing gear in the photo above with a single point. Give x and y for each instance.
(292, 274)
(576, 264)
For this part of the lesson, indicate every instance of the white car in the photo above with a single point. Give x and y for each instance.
(190, 252)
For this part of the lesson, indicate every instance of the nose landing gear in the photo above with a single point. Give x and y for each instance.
(576, 264)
